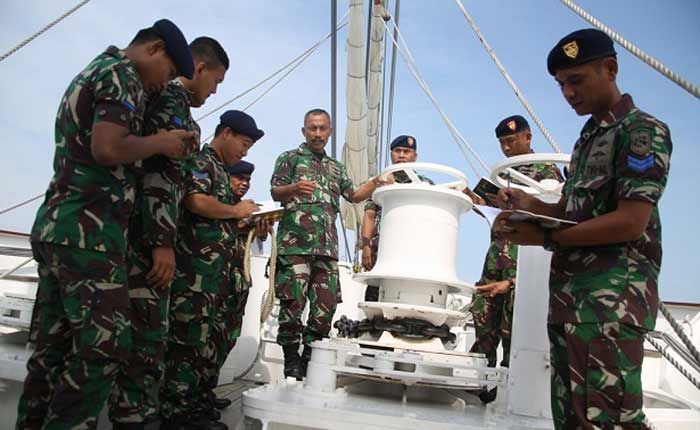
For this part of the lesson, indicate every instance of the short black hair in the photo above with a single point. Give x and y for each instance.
(209, 51)
(219, 128)
(144, 36)
(316, 111)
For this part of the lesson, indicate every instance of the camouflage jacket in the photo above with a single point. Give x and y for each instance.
(627, 159)
(370, 205)
(203, 237)
(87, 205)
(502, 256)
(161, 188)
(307, 226)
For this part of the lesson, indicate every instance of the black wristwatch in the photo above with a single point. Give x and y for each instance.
(511, 284)
(547, 242)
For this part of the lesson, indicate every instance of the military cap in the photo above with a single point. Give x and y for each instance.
(241, 168)
(579, 47)
(404, 141)
(241, 122)
(511, 125)
(176, 46)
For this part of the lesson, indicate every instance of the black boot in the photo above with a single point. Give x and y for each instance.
(128, 426)
(488, 396)
(292, 362)
(221, 402)
(304, 360)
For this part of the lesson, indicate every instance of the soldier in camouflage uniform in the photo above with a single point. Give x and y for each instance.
(203, 251)
(229, 317)
(152, 234)
(81, 320)
(603, 291)
(403, 150)
(492, 308)
(309, 185)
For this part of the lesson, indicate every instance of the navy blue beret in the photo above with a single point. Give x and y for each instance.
(241, 168)
(511, 125)
(579, 47)
(176, 46)
(242, 123)
(404, 141)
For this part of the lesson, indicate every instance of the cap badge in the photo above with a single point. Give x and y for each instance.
(571, 49)
(409, 141)
(511, 124)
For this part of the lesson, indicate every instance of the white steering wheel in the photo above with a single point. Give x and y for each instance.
(549, 187)
(410, 170)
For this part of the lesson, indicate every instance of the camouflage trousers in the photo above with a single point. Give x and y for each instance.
(81, 328)
(493, 320)
(299, 277)
(227, 325)
(194, 302)
(136, 388)
(597, 375)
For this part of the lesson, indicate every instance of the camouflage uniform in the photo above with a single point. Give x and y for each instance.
(493, 316)
(372, 291)
(154, 224)
(203, 253)
(307, 262)
(229, 316)
(602, 299)
(79, 238)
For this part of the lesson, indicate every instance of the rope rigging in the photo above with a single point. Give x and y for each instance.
(462, 143)
(19, 205)
(298, 59)
(653, 62)
(662, 350)
(43, 30)
(506, 75)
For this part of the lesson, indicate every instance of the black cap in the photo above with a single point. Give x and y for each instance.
(404, 141)
(241, 168)
(176, 46)
(579, 47)
(511, 125)
(242, 123)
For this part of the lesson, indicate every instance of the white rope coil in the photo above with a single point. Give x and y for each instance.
(653, 62)
(506, 75)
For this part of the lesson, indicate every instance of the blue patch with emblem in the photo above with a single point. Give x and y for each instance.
(200, 175)
(129, 106)
(640, 165)
(177, 121)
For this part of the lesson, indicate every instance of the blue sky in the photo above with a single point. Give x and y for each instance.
(260, 36)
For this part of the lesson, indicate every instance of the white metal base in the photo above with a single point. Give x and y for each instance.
(375, 405)
(445, 369)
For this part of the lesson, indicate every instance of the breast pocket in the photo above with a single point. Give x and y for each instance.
(303, 173)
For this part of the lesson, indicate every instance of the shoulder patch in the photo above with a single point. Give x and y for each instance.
(200, 175)
(640, 165)
(640, 142)
(177, 121)
(129, 106)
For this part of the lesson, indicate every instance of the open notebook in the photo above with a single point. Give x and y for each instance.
(490, 214)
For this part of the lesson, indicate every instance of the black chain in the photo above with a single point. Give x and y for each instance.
(410, 328)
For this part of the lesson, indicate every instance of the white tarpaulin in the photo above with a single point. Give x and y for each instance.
(355, 156)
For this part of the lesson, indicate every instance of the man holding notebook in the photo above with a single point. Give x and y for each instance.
(603, 284)
(492, 307)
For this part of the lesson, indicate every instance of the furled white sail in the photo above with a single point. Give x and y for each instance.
(355, 154)
(374, 85)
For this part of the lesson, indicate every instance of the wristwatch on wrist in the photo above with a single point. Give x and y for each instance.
(511, 284)
(547, 241)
